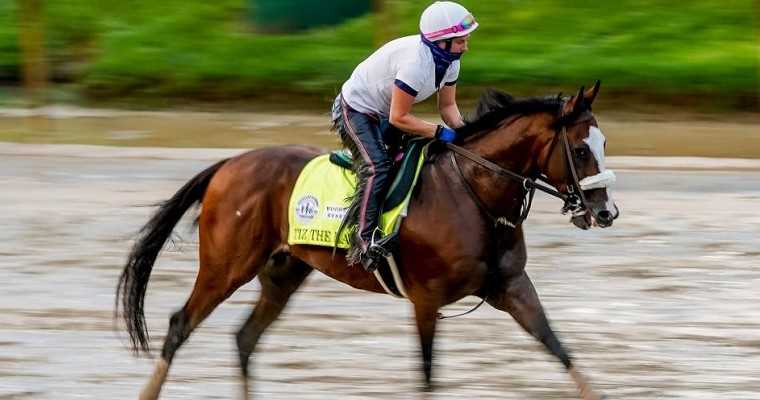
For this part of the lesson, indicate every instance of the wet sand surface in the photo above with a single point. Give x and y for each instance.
(664, 305)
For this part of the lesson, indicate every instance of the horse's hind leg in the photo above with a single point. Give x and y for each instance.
(519, 298)
(227, 261)
(279, 280)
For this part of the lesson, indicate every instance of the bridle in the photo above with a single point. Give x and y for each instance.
(574, 201)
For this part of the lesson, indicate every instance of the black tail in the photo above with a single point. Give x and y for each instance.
(134, 279)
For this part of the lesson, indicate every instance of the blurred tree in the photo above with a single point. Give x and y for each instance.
(385, 22)
(32, 43)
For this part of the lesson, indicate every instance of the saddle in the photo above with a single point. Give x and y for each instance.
(404, 168)
(320, 200)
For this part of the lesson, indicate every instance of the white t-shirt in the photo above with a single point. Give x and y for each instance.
(407, 60)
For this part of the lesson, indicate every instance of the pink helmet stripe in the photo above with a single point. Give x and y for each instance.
(467, 23)
(453, 29)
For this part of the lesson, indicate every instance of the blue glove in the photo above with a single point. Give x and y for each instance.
(445, 134)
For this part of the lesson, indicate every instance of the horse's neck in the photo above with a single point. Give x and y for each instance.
(511, 145)
(513, 149)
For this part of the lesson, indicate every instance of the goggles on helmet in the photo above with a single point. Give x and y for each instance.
(464, 25)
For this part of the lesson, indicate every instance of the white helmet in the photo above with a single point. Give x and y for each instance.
(445, 20)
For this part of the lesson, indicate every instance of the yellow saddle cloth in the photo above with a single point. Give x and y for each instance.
(319, 203)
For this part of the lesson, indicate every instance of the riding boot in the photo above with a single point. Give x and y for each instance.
(362, 135)
(370, 236)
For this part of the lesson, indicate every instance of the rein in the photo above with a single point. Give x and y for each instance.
(575, 201)
(529, 185)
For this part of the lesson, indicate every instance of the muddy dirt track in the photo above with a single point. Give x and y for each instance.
(664, 305)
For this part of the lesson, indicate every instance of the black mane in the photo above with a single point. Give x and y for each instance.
(495, 106)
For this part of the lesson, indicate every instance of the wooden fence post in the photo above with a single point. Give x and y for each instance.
(32, 44)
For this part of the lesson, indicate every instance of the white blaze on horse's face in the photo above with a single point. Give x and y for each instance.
(605, 178)
(595, 142)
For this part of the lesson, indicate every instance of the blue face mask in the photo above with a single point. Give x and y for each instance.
(440, 54)
(442, 59)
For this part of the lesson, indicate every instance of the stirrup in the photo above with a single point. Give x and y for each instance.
(385, 244)
(377, 251)
(370, 260)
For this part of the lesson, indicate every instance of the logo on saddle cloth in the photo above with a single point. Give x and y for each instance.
(319, 202)
(306, 209)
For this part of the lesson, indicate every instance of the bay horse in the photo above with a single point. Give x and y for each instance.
(469, 191)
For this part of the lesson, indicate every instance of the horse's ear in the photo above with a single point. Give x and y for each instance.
(574, 104)
(579, 100)
(590, 94)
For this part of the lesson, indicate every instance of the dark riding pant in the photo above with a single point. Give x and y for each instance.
(370, 152)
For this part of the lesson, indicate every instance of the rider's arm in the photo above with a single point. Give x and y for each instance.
(447, 106)
(401, 117)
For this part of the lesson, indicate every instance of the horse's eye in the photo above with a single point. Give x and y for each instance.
(581, 154)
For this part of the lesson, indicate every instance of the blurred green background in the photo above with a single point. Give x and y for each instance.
(698, 53)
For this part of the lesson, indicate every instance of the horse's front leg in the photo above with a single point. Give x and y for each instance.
(518, 297)
(426, 316)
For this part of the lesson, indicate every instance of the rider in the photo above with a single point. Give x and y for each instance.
(383, 89)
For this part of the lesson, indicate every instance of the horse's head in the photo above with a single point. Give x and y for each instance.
(574, 162)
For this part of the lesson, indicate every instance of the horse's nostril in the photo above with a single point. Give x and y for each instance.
(604, 216)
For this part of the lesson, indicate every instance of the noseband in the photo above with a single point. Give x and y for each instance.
(574, 201)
